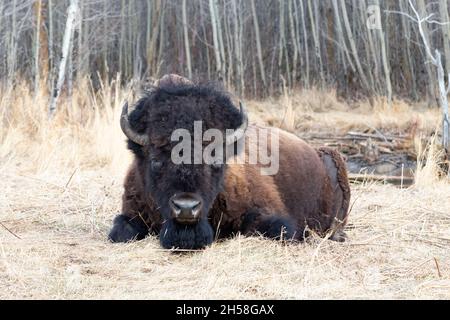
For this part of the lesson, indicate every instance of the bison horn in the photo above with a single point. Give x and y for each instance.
(239, 132)
(140, 139)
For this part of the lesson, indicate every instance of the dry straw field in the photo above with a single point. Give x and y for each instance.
(61, 188)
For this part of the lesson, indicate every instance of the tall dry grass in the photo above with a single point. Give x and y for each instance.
(61, 187)
(84, 133)
(318, 111)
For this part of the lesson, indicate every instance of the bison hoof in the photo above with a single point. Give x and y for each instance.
(339, 236)
(126, 229)
(188, 237)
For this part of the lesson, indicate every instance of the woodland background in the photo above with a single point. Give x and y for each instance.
(256, 47)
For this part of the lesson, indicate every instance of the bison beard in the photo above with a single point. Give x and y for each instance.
(189, 237)
(310, 191)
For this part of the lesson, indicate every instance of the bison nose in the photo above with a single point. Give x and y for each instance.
(185, 204)
(186, 208)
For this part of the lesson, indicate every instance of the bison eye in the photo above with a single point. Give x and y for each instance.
(156, 165)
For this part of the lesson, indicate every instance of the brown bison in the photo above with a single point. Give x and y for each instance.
(189, 205)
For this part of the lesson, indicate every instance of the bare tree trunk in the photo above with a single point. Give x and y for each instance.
(283, 47)
(12, 46)
(220, 39)
(122, 35)
(341, 39)
(241, 47)
(435, 58)
(105, 38)
(299, 43)
(71, 14)
(229, 45)
(316, 39)
(41, 65)
(216, 38)
(238, 48)
(186, 40)
(161, 38)
(423, 11)
(294, 41)
(354, 49)
(386, 66)
(51, 55)
(408, 54)
(202, 21)
(443, 95)
(305, 41)
(258, 43)
(372, 52)
(281, 39)
(443, 8)
(81, 52)
(38, 15)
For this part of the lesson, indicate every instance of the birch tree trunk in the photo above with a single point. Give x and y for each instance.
(82, 52)
(258, 43)
(386, 67)
(316, 39)
(238, 48)
(443, 96)
(220, 39)
(12, 46)
(436, 60)
(161, 38)
(186, 40)
(425, 35)
(305, 42)
(202, 22)
(38, 15)
(71, 15)
(443, 8)
(351, 40)
(408, 54)
(215, 38)
(341, 39)
(294, 40)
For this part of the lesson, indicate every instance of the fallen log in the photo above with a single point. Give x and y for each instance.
(405, 181)
(381, 137)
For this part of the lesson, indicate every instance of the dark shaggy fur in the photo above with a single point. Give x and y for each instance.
(310, 191)
(195, 236)
(270, 226)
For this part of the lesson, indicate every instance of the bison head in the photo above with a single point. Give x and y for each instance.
(183, 192)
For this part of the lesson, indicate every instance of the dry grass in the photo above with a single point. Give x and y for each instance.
(61, 187)
(317, 111)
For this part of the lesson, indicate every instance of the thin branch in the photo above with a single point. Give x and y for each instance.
(15, 235)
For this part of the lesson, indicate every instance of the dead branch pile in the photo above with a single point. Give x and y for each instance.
(373, 155)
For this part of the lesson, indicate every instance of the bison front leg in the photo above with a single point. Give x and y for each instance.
(270, 226)
(127, 229)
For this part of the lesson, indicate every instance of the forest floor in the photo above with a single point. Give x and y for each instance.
(61, 187)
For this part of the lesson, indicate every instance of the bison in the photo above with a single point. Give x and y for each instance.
(190, 205)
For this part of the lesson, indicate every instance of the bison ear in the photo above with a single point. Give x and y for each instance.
(138, 119)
